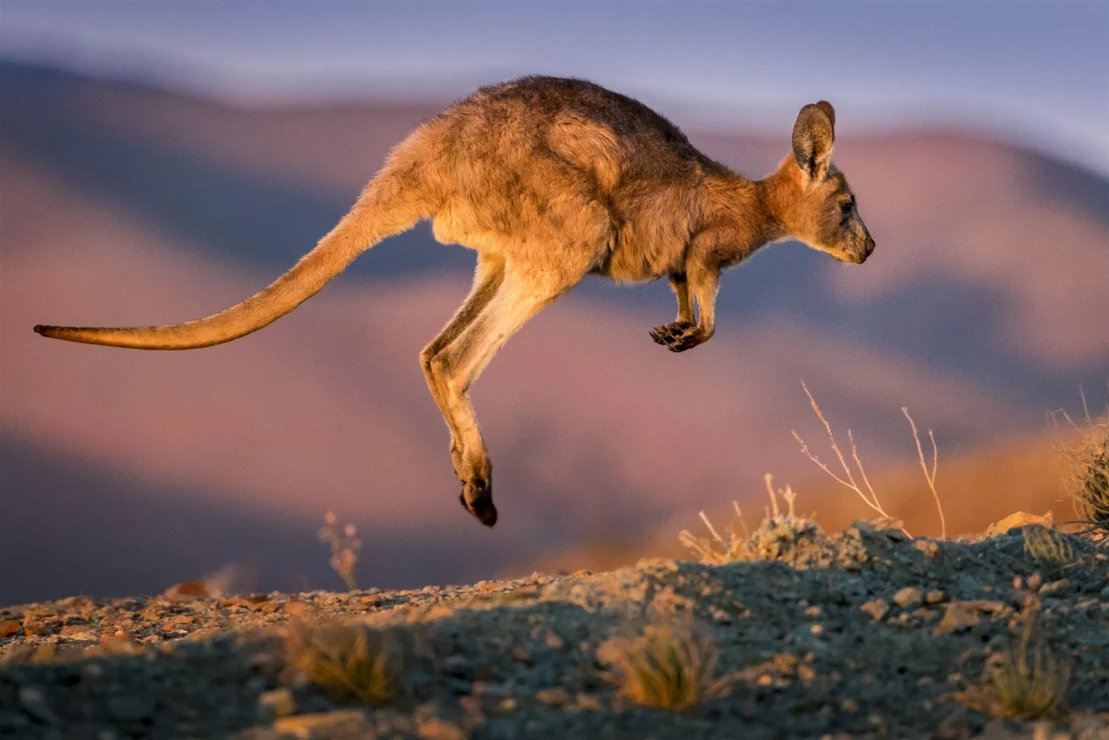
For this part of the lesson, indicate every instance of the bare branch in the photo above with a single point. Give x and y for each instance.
(931, 479)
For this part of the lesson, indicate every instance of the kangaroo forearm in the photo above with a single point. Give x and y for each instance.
(703, 284)
(680, 286)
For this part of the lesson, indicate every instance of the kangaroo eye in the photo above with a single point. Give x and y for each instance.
(845, 210)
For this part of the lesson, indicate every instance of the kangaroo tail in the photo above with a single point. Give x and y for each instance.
(382, 210)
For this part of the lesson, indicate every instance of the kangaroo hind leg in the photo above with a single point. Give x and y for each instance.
(455, 367)
(487, 280)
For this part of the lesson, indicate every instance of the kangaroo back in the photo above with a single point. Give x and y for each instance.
(384, 208)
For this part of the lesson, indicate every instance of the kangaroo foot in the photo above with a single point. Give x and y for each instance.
(678, 336)
(477, 498)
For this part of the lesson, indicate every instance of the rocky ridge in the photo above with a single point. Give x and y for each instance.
(866, 633)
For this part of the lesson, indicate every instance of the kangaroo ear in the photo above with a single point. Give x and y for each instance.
(813, 136)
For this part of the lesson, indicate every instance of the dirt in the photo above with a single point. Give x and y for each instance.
(863, 634)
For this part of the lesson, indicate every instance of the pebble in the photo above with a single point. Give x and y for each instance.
(277, 703)
(876, 608)
(305, 725)
(556, 697)
(908, 596)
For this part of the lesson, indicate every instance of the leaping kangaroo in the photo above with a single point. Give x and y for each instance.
(549, 180)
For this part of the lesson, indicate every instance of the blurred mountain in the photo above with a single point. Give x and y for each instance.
(984, 306)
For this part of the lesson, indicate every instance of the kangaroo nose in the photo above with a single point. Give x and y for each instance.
(869, 245)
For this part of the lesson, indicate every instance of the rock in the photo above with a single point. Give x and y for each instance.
(8, 627)
(928, 547)
(958, 615)
(276, 703)
(1017, 520)
(556, 697)
(296, 608)
(187, 590)
(935, 596)
(877, 609)
(1060, 585)
(908, 596)
(303, 725)
(439, 729)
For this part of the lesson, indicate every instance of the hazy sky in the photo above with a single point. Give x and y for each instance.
(1037, 71)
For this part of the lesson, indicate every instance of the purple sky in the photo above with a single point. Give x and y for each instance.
(1033, 71)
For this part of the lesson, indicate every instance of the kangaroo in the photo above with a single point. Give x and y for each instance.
(549, 180)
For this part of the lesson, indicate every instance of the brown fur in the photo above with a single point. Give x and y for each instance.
(549, 180)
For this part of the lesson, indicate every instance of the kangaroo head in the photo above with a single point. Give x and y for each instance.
(811, 197)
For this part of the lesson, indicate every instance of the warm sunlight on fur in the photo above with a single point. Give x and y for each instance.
(550, 180)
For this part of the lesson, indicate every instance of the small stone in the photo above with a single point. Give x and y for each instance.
(507, 705)
(588, 702)
(276, 703)
(1017, 520)
(77, 632)
(556, 697)
(303, 725)
(1054, 586)
(908, 596)
(440, 729)
(876, 609)
(934, 597)
(849, 705)
(554, 641)
(958, 615)
(296, 608)
(928, 547)
(188, 590)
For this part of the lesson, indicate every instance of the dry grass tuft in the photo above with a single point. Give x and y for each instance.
(866, 491)
(1087, 459)
(734, 547)
(349, 661)
(1028, 682)
(1049, 549)
(717, 549)
(670, 665)
(344, 545)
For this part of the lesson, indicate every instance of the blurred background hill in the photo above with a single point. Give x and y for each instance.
(128, 200)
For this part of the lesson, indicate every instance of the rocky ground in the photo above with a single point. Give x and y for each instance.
(862, 634)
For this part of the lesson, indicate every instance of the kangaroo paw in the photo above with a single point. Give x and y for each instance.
(665, 334)
(678, 336)
(477, 498)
